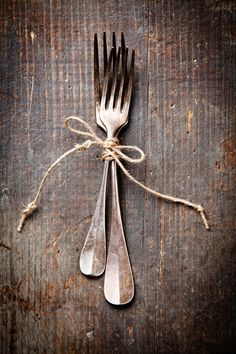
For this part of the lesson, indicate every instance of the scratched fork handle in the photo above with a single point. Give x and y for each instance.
(93, 255)
(119, 283)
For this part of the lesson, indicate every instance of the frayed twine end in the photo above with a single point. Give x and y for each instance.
(202, 213)
(30, 209)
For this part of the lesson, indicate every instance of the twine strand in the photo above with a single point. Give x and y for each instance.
(111, 151)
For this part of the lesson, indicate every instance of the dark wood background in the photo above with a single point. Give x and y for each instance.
(182, 116)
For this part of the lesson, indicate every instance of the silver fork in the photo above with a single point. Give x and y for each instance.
(112, 109)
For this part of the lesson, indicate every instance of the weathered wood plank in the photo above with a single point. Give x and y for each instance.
(183, 118)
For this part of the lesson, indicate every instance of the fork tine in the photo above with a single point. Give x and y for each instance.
(121, 89)
(96, 72)
(106, 80)
(114, 41)
(114, 79)
(122, 47)
(114, 46)
(127, 97)
(104, 52)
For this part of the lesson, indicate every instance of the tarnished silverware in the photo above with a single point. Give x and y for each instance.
(112, 109)
(93, 254)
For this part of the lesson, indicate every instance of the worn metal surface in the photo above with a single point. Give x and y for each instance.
(182, 117)
(118, 280)
(112, 102)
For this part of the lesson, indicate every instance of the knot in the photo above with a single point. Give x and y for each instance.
(200, 208)
(110, 143)
(86, 145)
(109, 152)
(29, 209)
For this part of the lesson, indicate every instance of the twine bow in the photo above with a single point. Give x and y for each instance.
(112, 150)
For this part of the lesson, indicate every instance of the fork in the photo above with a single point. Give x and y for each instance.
(112, 109)
(93, 254)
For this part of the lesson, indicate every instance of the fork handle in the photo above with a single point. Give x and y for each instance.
(119, 283)
(93, 255)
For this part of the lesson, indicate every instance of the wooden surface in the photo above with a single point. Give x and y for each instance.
(183, 118)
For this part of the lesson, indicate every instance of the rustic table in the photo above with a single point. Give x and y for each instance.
(181, 116)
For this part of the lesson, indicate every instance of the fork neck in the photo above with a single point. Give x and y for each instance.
(111, 134)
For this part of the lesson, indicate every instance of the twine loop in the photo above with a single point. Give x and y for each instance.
(112, 150)
(111, 147)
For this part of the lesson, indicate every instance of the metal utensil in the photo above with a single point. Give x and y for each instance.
(112, 109)
(93, 255)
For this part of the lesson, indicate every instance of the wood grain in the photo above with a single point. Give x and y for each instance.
(182, 116)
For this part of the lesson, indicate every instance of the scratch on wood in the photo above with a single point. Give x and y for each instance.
(5, 246)
(86, 220)
(32, 35)
(4, 192)
(53, 243)
(189, 121)
(31, 97)
(162, 252)
(161, 264)
(69, 282)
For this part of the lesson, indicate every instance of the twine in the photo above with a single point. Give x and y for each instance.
(111, 151)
